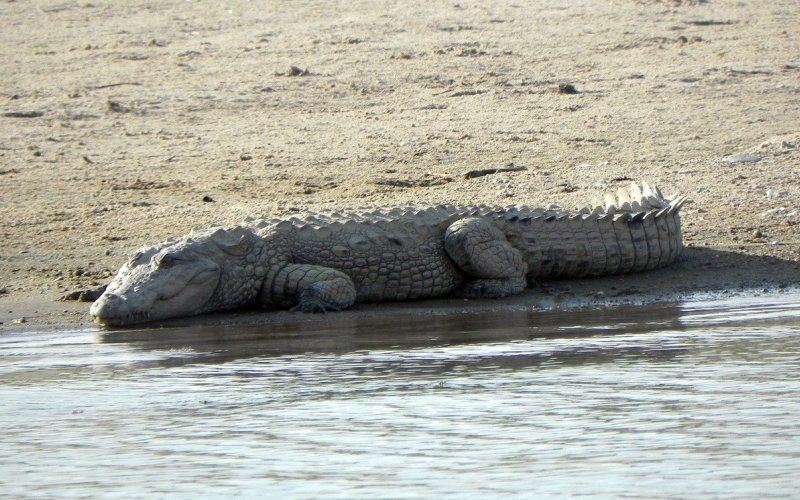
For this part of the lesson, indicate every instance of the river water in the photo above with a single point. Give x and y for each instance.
(699, 399)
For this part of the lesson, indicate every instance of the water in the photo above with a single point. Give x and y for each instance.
(691, 400)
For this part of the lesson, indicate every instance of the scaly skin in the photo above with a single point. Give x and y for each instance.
(326, 263)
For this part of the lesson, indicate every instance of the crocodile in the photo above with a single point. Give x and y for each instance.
(328, 262)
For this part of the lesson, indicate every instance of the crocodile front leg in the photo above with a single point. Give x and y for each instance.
(308, 288)
(481, 250)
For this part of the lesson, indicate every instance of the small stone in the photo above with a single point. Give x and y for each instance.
(208, 199)
(112, 237)
(116, 107)
(89, 295)
(23, 114)
(292, 71)
(771, 194)
(742, 158)
(245, 157)
(567, 88)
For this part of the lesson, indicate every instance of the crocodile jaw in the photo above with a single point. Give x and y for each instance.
(145, 292)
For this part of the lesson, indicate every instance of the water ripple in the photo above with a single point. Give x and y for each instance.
(691, 400)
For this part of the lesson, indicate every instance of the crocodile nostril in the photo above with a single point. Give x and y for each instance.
(109, 304)
(110, 298)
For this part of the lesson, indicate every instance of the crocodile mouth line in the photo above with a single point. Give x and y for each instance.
(200, 280)
(124, 320)
(189, 299)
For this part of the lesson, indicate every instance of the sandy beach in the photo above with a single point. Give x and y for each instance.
(124, 124)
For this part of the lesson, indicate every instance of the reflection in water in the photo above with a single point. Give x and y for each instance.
(226, 343)
(666, 401)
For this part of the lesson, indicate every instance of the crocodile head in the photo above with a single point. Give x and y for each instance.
(210, 271)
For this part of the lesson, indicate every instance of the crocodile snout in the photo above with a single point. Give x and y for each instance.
(110, 309)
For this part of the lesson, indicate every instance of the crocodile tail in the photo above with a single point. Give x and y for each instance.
(634, 229)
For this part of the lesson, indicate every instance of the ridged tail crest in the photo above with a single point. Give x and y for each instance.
(633, 229)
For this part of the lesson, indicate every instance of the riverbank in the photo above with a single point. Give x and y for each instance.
(124, 126)
(700, 274)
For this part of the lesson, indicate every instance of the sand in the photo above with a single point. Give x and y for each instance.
(125, 123)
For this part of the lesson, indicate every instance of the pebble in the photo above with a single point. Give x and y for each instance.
(292, 71)
(567, 88)
(771, 194)
(742, 158)
(23, 114)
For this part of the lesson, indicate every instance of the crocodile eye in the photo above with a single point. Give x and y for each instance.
(167, 260)
(139, 257)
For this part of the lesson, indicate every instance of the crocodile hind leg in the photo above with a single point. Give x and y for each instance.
(481, 250)
(308, 288)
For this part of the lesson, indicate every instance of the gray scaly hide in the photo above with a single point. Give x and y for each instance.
(328, 262)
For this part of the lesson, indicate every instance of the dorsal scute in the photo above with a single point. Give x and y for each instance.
(538, 212)
(676, 204)
(632, 199)
(623, 216)
(635, 192)
(627, 203)
(232, 241)
(623, 197)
